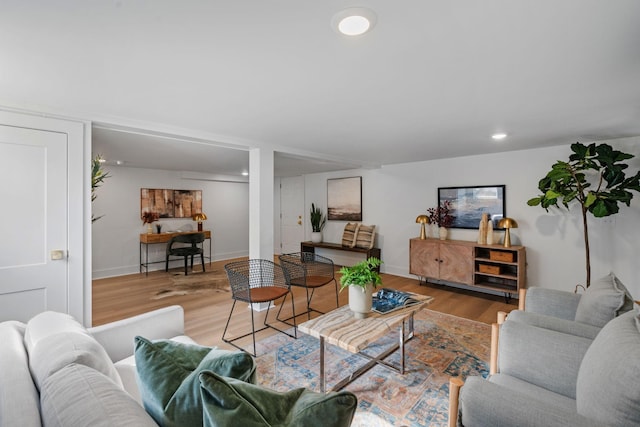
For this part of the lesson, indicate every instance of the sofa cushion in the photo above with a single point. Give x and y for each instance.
(230, 402)
(77, 395)
(349, 234)
(605, 299)
(366, 236)
(56, 351)
(607, 387)
(128, 374)
(168, 374)
(19, 400)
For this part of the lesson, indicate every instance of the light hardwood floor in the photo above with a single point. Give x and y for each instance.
(205, 315)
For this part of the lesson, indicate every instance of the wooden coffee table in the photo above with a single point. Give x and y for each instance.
(340, 328)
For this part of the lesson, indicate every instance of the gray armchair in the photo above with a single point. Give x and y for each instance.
(551, 378)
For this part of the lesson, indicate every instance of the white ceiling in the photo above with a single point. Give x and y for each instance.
(434, 79)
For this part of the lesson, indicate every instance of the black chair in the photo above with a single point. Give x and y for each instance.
(257, 281)
(310, 271)
(192, 240)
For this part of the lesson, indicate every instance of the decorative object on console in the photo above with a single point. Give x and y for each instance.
(361, 279)
(349, 234)
(507, 224)
(158, 228)
(422, 220)
(568, 181)
(489, 240)
(318, 221)
(199, 217)
(148, 218)
(482, 229)
(467, 204)
(442, 218)
(344, 199)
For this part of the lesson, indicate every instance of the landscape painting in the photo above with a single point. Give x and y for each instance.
(344, 199)
(469, 203)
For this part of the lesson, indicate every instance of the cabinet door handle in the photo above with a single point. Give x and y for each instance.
(440, 260)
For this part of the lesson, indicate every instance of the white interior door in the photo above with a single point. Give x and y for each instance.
(33, 223)
(291, 214)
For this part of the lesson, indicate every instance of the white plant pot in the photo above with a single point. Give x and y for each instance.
(443, 233)
(360, 300)
(316, 236)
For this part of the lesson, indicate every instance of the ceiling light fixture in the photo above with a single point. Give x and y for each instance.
(245, 173)
(499, 136)
(354, 21)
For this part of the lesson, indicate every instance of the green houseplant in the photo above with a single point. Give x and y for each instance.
(98, 175)
(594, 177)
(318, 221)
(361, 279)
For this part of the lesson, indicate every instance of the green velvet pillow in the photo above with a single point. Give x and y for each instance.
(168, 377)
(228, 402)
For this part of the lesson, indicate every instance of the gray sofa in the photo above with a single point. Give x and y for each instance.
(55, 372)
(552, 378)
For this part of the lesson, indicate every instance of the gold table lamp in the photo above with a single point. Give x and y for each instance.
(199, 217)
(507, 224)
(422, 220)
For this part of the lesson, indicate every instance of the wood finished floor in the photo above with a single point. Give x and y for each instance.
(205, 315)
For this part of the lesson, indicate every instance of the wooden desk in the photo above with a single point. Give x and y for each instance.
(340, 328)
(147, 239)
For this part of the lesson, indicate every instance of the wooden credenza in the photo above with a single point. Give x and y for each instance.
(483, 267)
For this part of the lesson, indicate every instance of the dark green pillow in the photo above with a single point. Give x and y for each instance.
(168, 377)
(228, 402)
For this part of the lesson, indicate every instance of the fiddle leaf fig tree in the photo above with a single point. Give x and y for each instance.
(595, 178)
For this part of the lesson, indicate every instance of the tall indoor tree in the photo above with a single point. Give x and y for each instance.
(595, 178)
(98, 175)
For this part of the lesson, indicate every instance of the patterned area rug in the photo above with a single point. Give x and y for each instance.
(195, 282)
(443, 346)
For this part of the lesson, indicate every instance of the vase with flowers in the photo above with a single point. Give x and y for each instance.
(441, 216)
(149, 218)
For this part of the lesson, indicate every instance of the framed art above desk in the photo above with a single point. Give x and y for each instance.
(147, 239)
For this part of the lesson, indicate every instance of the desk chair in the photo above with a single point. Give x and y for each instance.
(194, 239)
(309, 271)
(257, 281)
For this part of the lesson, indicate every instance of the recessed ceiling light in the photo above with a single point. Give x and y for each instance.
(499, 136)
(353, 21)
(245, 173)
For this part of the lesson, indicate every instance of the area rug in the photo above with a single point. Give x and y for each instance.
(443, 346)
(195, 282)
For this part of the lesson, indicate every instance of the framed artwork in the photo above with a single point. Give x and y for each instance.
(469, 203)
(344, 199)
(166, 203)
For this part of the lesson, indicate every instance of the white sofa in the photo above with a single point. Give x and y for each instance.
(55, 372)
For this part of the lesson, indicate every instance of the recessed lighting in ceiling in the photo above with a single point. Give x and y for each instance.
(499, 136)
(354, 21)
(245, 173)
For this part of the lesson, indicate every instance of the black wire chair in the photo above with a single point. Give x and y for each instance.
(309, 271)
(191, 239)
(257, 281)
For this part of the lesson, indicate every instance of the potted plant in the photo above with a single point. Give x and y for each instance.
(361, 279)
(441, 217)
(318, 221)
(98, 175)
(594, 177)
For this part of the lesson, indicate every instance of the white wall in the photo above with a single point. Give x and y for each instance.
(392, 198)
(394, 195)
(116, 235)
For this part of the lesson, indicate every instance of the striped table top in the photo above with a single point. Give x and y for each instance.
(340, 328)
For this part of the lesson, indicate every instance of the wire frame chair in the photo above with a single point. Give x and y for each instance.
(192, 239)
(309, 271)
(257, 281)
